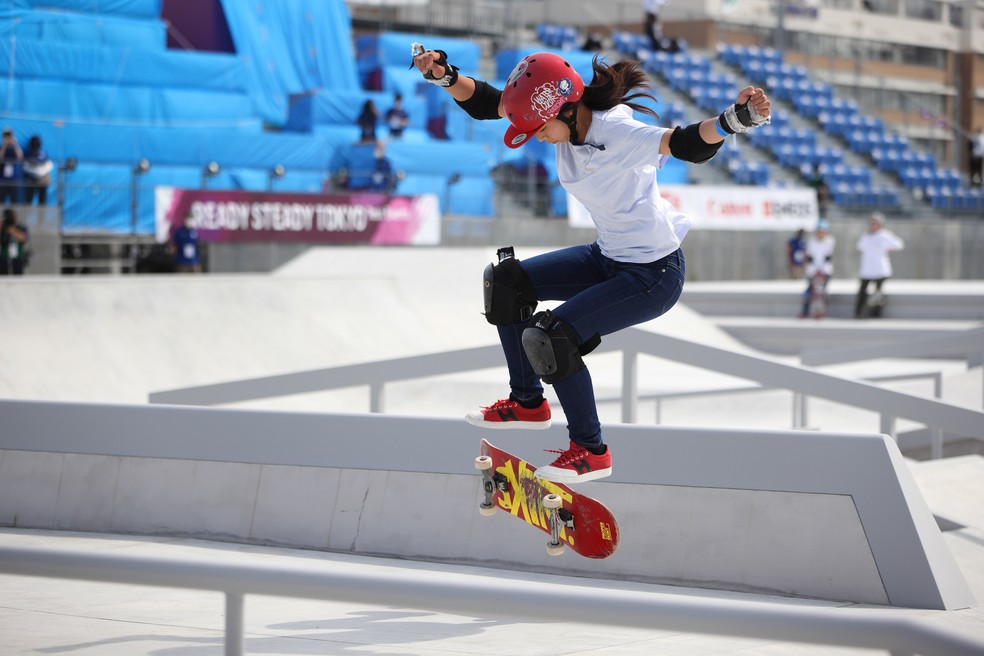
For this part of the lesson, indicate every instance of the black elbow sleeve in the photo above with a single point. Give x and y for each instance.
(484, 103)
(687, 144)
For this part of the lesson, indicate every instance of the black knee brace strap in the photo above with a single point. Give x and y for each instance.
(554, 349)
(509, 293)
(687, 144)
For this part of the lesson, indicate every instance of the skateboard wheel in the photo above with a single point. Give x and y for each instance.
(483, 463)
(554, 549)
(552, 501)
(488, 510)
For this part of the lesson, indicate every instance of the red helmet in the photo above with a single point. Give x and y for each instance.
(536, 90)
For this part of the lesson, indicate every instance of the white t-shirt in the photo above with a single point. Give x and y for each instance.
(819, 254)
(614, 176)
(875, 247)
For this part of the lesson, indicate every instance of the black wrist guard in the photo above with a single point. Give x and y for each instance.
(484, 103)
(686, 144)
(450, 72)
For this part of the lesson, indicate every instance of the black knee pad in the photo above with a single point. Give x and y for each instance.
(509, 293)
(553, 347)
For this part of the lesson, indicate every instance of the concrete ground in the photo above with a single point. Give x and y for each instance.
(118, 339)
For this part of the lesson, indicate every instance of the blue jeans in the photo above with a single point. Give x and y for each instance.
(600, 296)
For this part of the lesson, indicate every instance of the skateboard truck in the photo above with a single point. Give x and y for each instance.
(558, 515)
(554, 504)
(491, 481)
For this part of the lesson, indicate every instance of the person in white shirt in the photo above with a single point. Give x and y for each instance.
(819, 263)
(876, 267)
(634, 272)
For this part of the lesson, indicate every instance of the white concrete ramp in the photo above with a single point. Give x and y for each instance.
(116, 340)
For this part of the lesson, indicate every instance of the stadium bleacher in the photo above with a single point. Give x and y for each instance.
(96, 82)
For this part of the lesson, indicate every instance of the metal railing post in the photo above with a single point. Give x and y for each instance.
(376, 397)
(936, 443)
(234, 626)
(630, 386)
(887, 425)
(799, 410)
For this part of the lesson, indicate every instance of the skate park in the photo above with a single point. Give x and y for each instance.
(271, 458)
(245, 415)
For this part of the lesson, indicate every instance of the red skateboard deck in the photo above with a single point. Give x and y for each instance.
(570, 518)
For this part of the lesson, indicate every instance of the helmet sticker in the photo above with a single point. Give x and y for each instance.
(519, 138)
(565, 86)
(546, 100)
(519, 70)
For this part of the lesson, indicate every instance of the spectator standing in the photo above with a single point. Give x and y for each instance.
(37, 172)
(186, 249)
(819, 263)
(11, 157)
(822, 189)
(367, 122)
(13, 245)
(874, 246)
(650, 22)
(397, 118)
(977, 158)
(796, 254)
(592, 43)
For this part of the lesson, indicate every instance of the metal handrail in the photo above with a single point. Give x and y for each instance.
(660, 397)
(632, 343)
(487, 596)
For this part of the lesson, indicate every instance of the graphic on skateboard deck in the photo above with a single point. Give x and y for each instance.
(570, 519)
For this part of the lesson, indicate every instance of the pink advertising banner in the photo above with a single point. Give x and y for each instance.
(241, 216)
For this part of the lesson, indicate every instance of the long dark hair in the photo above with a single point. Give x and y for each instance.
(622, 83)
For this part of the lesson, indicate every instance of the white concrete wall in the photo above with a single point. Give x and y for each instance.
(757, 541)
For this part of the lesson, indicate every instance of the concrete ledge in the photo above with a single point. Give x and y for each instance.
(820, 515)
(907, 299)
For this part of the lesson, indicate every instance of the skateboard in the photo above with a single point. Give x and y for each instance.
(570, 519)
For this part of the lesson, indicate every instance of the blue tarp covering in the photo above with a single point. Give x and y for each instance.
(247, 146)
(469, 195)
(124, 66)
(393, 49)
(59, 27)
(441, 157)
(146, 105)
(132, 8)
(292, 47)
(344, 107)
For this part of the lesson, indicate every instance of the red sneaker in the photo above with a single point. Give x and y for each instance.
(506, 413)
(576, 465)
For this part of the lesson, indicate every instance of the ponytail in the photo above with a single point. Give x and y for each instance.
(622, 83)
